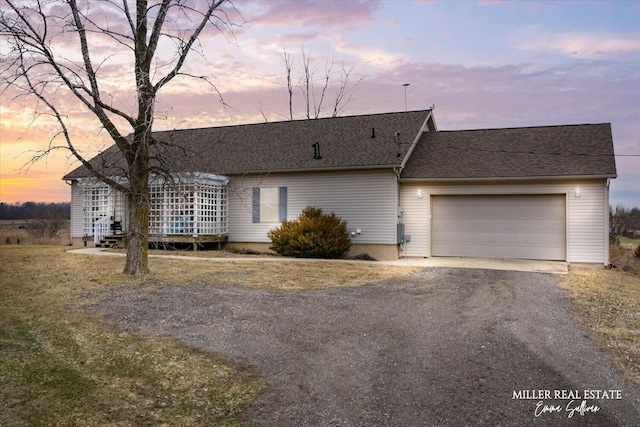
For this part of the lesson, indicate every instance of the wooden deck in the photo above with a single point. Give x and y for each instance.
(194, 240)
(156, 241)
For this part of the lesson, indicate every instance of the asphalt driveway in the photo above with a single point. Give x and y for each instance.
(439, 347)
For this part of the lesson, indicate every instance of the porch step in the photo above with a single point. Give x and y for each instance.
(110, 242)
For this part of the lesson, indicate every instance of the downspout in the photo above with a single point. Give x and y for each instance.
(606, 223)
(398, 170)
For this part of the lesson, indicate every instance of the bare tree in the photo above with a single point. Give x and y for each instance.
(40, 59)
(634, 219)
(288, 66)
(47, 223)
(315, 89)
(619, 218)
(307, 84)
(343, 91)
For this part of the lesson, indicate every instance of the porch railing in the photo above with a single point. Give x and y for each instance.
(100, 229)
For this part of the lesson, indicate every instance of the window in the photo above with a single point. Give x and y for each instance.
(269, 204)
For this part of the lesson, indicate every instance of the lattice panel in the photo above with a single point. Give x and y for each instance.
(96, 204)
(187, 209)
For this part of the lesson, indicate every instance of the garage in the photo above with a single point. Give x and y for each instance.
(499, 226)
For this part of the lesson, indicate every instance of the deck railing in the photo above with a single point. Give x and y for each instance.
(100, 229)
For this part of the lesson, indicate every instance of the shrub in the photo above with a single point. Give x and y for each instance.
(313, 235)
(637, 252)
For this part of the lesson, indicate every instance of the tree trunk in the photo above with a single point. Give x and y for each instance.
(138, 196)
(138, 233)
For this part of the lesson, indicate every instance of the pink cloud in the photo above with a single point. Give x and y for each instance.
(309, 13)
(298, 39)
(465, 97)
(518, 95)
(582, 45)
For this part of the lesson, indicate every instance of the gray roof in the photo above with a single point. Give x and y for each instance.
(546, 151)
(345, 142)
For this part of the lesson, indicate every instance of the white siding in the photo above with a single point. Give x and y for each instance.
(587, 221)
(367, 200)
(77, 213)
(415, 216)
(588, 224)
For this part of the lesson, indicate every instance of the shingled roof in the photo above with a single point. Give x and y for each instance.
(348, 142)
(546, 151)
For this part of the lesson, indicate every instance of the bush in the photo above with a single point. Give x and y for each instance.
(312, 235)
(637, 252)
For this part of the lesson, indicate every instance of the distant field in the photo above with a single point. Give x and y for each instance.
(628, 243)
(12, 223)
(16, 232)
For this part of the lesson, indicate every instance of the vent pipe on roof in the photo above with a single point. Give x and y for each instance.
(398, 143)
(316, 151)
(373, 132)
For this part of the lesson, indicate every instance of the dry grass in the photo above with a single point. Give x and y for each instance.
(61, 366)
(270, 275)
(278, 274)
(607, 303)
(14, 232)
(623, 256)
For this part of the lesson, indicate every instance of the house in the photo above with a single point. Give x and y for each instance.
(404, 187)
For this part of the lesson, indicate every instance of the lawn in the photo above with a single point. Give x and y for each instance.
(623, 255)
(607, 303)
(61, 366)
(628, 243)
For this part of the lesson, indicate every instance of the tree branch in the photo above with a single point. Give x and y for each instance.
(184, 49)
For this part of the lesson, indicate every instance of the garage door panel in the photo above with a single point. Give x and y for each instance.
(528, 226)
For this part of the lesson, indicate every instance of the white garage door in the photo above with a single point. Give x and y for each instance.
(527, 226)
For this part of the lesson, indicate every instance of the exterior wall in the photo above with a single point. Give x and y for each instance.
(586, 225)
(367, 200)
(77, 214)
(379, 252)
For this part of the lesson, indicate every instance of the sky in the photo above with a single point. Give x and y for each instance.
(481, 64)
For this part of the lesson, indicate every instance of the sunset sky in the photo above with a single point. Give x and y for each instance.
(483, 64)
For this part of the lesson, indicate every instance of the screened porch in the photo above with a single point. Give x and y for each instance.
(192, 204)
(185, 208)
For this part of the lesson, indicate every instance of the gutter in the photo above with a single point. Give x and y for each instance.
(507, 178)
(270, 171)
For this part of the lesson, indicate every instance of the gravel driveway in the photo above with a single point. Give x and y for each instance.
(438, 347)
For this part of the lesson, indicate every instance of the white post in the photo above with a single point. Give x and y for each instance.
(100, 229)
(196, 209)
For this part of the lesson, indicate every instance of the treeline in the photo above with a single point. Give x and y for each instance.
(35, 210)
(624, 220)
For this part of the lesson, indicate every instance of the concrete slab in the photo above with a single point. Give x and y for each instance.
(536, 266)
(94, 251)
(552, 267)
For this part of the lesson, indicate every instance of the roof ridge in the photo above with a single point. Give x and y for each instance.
(293, 121)
(526, 127)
